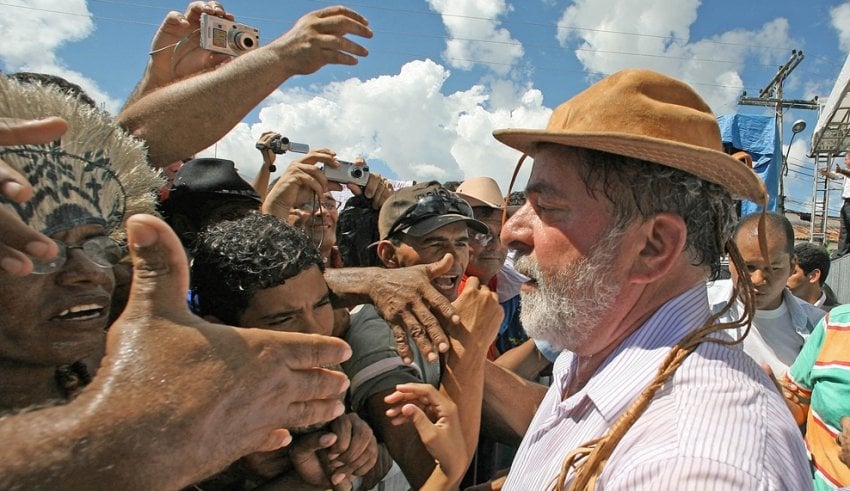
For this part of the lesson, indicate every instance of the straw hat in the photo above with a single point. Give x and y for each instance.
(649, 116)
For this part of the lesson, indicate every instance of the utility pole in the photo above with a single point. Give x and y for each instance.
(771, 95)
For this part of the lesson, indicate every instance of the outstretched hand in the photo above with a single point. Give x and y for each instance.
(214, 391)
(17, 240)
(405, 298)
(318, 39)
(421, 404)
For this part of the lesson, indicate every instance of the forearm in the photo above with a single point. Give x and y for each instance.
(187, 116)
(463, 382)
(348, 286)
(148, 83)
(525, 360)
(260, 183)
(72, 447)
(509, 404)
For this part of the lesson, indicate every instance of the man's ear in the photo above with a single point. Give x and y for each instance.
(661, 241)
(387, 254)
(814, 276)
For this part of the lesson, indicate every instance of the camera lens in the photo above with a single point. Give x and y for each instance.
(356, 173)
(242, 41)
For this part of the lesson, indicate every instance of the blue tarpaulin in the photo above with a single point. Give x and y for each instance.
(758, 136)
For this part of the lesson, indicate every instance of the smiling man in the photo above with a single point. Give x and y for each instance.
(53, 321)
(629, 208)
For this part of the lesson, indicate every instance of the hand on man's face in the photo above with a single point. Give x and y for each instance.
(207, 390)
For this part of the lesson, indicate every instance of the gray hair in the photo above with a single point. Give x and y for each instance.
(638, 189)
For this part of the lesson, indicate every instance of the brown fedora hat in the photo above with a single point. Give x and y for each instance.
(648, 116)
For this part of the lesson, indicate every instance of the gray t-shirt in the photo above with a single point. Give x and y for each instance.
(375, 365)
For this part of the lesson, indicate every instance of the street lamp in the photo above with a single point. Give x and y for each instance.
(797, 127)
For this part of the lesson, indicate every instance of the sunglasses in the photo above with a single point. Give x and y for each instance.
(430, 206)
(102, 251)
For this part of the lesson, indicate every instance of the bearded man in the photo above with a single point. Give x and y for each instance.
(629, 209)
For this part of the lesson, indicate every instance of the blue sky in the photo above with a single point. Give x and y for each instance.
(442, 74)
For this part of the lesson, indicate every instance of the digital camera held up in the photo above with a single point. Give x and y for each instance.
(348, 172)
(224, 36)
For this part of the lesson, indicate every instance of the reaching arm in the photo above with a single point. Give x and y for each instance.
(187, 116)
(509, 404)
(176, 398)
(454, 437)
(525, 360)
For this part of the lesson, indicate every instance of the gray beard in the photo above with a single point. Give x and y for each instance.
(566, 307)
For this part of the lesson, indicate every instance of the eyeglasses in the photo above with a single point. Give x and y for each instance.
(102, 251)
(483, 240)
(325, 203)
(430, 206)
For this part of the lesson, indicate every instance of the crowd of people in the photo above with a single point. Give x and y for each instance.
(267, 335)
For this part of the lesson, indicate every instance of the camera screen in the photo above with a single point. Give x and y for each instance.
(219, 38)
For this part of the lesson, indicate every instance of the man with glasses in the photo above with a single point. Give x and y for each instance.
(488, 256)
(417, 225)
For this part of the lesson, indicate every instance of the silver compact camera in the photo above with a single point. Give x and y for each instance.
(348, 172)
(224, 36)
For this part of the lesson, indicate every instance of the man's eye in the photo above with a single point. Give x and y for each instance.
(283, 321)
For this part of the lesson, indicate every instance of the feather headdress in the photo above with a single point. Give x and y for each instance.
(94, 174)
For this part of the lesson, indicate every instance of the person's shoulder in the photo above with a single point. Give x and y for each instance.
(719, 291)
(719, 414)
(814, 314)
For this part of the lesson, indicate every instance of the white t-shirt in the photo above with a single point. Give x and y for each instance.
(773, 339)
(845, 193)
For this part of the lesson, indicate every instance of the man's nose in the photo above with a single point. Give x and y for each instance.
(759, 277)
(517, 231)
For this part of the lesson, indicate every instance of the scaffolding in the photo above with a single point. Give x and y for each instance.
(830, 139)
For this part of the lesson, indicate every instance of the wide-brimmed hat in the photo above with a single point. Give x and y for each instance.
(421, 209)
(648, 116)
(481, 191)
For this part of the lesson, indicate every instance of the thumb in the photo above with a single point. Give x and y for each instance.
(440, 267)
(160, 269)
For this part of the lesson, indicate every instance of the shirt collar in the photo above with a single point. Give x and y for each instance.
(634, 363)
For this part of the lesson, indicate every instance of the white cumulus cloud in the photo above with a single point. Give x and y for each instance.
(34, 29)
(404, 120)
(602, 31)
(475, 36)
(841, 22)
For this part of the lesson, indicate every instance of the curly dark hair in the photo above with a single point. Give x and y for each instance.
(234, 259)
(639, 189)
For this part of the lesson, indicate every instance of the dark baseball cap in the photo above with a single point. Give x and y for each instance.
(422, 208)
